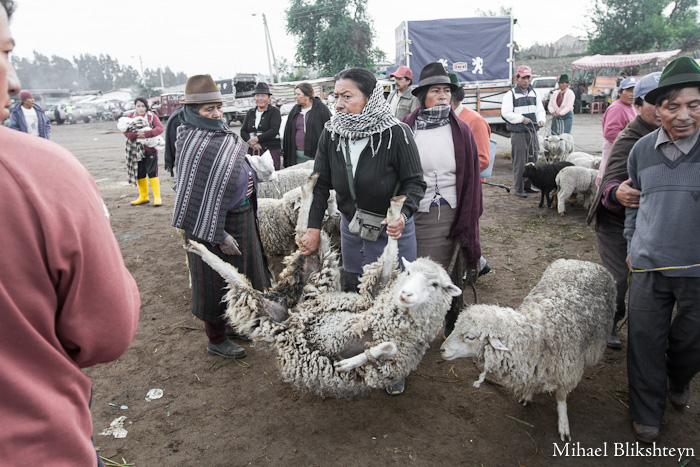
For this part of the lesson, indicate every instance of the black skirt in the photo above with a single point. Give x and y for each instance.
(207, 285)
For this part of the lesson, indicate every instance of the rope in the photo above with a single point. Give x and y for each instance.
(666, 268)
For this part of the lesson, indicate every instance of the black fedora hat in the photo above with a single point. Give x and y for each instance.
(262, 88)
(431, 74)
(683, 70)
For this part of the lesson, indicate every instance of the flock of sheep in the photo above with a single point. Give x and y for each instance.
(340, 344)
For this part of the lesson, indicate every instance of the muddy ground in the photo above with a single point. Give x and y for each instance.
(217, 412)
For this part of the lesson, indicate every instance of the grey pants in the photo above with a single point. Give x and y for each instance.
(661, 350)
(523, 149)
(612, 248)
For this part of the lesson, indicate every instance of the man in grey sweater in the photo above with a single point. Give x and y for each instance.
(663, 353)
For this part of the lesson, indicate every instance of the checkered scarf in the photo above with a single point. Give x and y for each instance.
(135, 150)
(433, 117)
(375, 117)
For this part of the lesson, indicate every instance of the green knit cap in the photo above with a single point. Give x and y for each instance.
(683, 70)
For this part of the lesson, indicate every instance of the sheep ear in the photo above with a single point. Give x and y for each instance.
(406, 263)
(497, 344)
(453, 290)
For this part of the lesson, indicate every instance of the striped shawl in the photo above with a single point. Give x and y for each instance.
(208, 165)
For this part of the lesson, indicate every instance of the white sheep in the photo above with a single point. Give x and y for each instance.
(329, 336)
(287, 179)
(583, 159)
(545, 344)
(558, 146)
(277, 219)
(571, 180)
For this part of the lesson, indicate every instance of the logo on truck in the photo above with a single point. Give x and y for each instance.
(460, 66)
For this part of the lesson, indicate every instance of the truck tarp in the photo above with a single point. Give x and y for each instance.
(593, 62)
(477, 49)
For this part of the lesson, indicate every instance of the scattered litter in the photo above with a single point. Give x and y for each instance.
(154, 394)
(123, 407)
(116, 428)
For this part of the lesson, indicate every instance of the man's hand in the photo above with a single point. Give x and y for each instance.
(626, 195)
(230, 246)
(526, 121)
(310, 241)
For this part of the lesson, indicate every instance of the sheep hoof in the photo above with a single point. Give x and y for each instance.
(566, 437)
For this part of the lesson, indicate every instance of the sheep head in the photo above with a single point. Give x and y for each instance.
(477, 327)
(421, 281)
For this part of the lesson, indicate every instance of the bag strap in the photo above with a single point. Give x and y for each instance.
(351, 181)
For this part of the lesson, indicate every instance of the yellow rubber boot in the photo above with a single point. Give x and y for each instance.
(143, 192)
(155, 187)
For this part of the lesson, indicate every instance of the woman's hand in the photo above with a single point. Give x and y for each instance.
(230, 246)
(310, 241)
(253, 141)
(257, 147)
(141, 134)
(395, 229)
(626, 195)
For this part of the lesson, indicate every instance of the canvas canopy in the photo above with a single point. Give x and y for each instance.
(593, 62)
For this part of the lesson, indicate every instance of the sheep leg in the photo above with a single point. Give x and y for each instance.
(392, 246)
(564, 431)
(525, 400)
(385, 349)
(307, 198)
(227, 271)
(562, 195)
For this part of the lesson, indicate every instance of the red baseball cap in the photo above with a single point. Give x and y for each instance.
(402, 72)
(524, 70)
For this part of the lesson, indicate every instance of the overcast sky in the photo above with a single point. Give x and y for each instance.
(222, 37)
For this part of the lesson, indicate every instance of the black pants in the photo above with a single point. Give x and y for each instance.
(612, 247)
(148, 165)
(660, 349)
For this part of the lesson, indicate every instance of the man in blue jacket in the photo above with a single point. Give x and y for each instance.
(29, 117)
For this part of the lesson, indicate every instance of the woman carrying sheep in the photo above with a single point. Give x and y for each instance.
(261, 126)
(142, 160)
(447, 220)
(215, 205)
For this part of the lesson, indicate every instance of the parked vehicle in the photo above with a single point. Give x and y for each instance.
(544, 86)
(57, 114)
(84, 112)
(238, 93)
(169, 103)
(479, 50)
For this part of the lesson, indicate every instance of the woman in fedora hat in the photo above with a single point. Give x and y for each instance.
(215, 205)
(304, 126)
(261, 126)
(561, 106)
(447, 220)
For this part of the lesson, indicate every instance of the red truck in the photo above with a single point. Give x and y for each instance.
(168, 104)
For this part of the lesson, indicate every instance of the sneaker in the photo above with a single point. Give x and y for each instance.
(521, 195)
(484, 270)
(678, 399)
(232, 334)
(226, 349)
(396, 388)
(614, 341)
(645, 433)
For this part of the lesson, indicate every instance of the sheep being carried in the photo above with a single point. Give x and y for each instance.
(546, 343)
(339, 344)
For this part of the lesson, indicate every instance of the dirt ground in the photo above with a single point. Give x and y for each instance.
(216, 412)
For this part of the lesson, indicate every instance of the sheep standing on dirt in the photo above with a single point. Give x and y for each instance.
(543, 177)
(329, 337)
(583, 159)
(558, 146)
(571, 180)
(545, 344)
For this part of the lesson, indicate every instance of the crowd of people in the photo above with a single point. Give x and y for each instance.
(420, 142)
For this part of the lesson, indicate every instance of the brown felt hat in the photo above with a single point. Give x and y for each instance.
(433, 73)
(201, 89)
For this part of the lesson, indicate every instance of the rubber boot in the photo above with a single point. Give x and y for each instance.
(143, 192)
(155, 187)
(351, 281)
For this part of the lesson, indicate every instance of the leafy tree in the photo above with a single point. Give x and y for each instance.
(626, 26)
(333, 34)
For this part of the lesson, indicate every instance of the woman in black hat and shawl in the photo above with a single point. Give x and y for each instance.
(215, 205)
(447, 219)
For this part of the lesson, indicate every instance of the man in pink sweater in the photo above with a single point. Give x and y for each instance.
(615, 118)
(67, 300)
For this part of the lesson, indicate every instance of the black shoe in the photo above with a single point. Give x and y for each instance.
(531, 190)
(614, 341)
(396, 388)
(645, 433)
(226, 349)
(678, 399)
(232, 334)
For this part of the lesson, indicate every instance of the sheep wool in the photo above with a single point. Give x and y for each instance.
(544, 345)
(574, 179)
